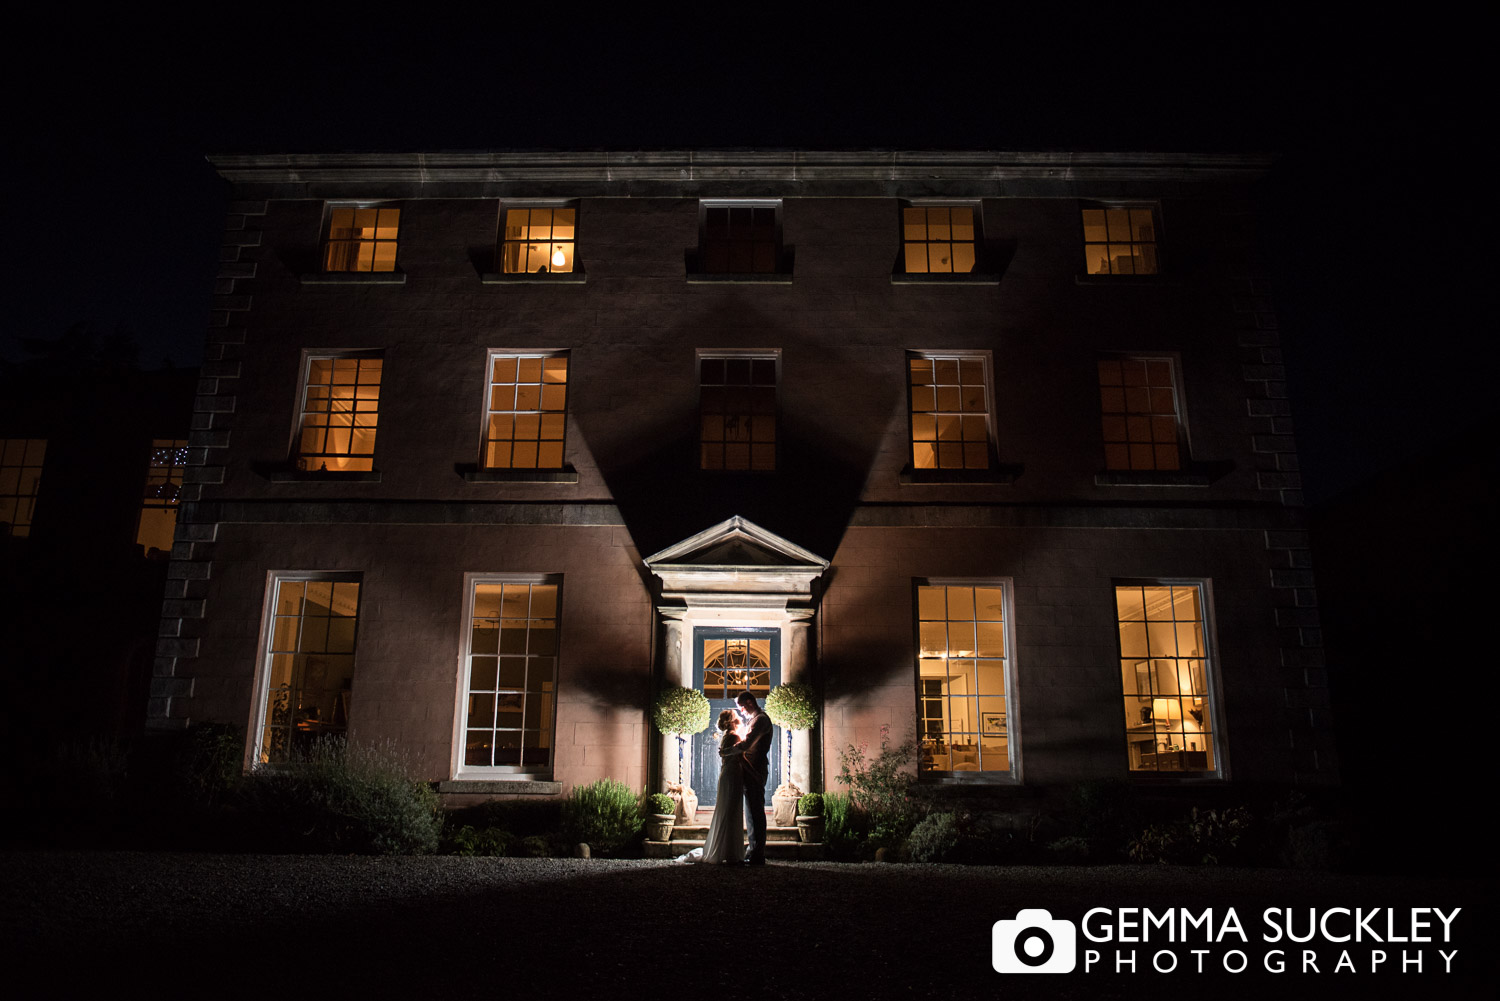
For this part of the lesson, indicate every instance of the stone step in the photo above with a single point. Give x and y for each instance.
(689, 832)
(781, 851)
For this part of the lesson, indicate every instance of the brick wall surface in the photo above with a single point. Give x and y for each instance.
(634, 326)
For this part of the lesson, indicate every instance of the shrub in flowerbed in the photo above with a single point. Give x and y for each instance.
(1204, 837)
(341, 797)
(470, 840)
(605, 815)
(934, 839)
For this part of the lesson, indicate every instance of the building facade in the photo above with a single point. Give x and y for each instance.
(991, 449)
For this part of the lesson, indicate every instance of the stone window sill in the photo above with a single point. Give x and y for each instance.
(1198, 474)
(998, 474)
(353, 278)
(698, 278)
(990, 780)
(536, 278)
(1086, 279)
(473, 474)
(519, 786)
(283, 473)
(1160, 779)
(971, 278)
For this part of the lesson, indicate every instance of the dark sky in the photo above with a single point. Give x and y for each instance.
(113, 216)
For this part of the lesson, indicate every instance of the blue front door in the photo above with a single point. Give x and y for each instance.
(725, 663)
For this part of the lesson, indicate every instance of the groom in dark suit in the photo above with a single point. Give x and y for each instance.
(755, 765)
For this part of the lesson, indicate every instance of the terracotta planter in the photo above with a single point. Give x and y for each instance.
(659, 827)
(810, 830)
(784, 805)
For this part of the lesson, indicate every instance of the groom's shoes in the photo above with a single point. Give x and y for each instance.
(755, 860)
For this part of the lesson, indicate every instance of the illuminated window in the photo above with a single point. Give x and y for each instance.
(733, 664)
(950, 411)
(1119, 241)
(740, 237)
(1138, 404)
(1164, 669)
(527, 417)
(340, 409)
(308, 667)
(361, 239)
(538, 240)
(163, 487)
(963, 669)
(20, 475)
(938, 239)
(737, 412)
(510, 672)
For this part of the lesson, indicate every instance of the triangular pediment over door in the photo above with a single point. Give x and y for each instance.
(736, 562)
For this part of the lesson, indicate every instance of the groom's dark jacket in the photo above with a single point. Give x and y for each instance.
(757, 759)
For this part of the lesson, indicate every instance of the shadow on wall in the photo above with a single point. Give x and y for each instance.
(655, 477)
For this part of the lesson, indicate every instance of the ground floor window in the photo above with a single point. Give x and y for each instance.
(510, 672)
(1166, 677)
(308, 665)
(964, 685)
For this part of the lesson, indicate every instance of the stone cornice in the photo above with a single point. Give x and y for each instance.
(790, 173)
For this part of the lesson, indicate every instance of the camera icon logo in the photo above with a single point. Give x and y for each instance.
(1034, 942)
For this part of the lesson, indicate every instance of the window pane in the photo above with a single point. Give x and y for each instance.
(527, 402)
(1168, 718)
(737, 404)
(1139, 421)
(308, 667)
(523, 676)
(361, 239)
(739, 239)
(952, 389)
(961, 679)
(336, 389)
(1119, 241)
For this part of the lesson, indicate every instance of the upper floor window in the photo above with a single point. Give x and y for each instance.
(1165, 672)
(1139, 409)
(938, 239)
(307, 671)
(538, 239)
(964, 712)
(737, 411)
(20, 476)
(740, 237)
(164, 468)
(339, 414)
(950, 410)
(1120, 240)
(510, 672)
(361, 239)
(526, 421)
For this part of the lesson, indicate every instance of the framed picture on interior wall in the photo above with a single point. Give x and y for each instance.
(992, 724)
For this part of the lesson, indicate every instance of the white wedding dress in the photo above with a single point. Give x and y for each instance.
(726, 834)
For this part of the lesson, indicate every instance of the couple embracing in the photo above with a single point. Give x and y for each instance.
(745, 761)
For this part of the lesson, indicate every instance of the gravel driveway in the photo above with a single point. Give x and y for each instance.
(261, 926)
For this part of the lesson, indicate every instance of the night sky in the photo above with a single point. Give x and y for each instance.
(113, 215)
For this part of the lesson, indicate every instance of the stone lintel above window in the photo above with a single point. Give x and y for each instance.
(1000, 473)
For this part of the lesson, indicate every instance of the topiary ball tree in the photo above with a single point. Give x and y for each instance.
(792, 706)
(680, 712)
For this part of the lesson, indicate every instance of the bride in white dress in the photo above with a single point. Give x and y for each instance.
(726, 834)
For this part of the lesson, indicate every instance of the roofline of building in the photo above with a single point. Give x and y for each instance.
(807, 172)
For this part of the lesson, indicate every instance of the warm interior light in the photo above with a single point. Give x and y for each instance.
(558, 259)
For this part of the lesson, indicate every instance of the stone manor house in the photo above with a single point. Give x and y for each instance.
(991, 449)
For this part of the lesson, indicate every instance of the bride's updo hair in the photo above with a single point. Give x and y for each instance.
(726, 720)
